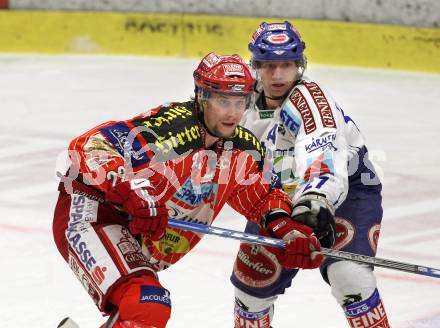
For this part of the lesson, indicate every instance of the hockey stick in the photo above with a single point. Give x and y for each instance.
(340, 255)
(69, 323)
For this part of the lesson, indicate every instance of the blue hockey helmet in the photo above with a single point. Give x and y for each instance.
(276, 42)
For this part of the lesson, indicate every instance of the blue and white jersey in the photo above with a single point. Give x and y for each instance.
(312, 144)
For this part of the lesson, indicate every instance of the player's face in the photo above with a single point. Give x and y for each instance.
(277, 77)
(222, 113)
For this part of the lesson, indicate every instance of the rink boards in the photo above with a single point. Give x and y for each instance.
(182, 35)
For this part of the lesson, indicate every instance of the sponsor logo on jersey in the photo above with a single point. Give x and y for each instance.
(280, 153)
(99, 151)
(322, 104)
(194, 195)
(173, 140)
(91, 211)
(126, 143)
(155, 294)
(177, 213)
(98, 274)
(301, 104)
(81, 249)
(172, 243)
(80, 218)
(243, 134)
(272, 134)
(85, 279)
(167, 117)
(322, 143)
(83, 211)
(317, 166)
(292, 122)
(264, 114)
(291, 186)
(169, 133)
(131, 250)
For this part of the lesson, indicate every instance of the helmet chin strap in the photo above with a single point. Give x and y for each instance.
(284, 96)
(277, 98)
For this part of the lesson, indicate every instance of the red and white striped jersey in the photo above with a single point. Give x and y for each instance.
(166, 145)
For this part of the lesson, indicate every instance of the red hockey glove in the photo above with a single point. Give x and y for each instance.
(137, 198)
(302, 247)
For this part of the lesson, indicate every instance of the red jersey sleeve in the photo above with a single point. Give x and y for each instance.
(253, 196)
(96, 159)
(143, 146)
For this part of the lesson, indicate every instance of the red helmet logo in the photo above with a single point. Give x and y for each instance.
(228, 74)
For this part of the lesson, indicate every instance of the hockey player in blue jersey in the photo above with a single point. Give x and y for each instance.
(320, 159)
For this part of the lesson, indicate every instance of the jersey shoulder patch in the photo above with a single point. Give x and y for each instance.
(322, 104)
(290, 118)
(313, 105)
(171, 130)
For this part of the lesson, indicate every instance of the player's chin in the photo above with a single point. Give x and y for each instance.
(228, 129)
(279, 91)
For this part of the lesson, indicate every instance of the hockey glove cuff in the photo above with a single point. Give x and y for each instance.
(315, 211)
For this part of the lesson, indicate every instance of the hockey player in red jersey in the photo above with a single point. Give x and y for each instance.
(180, 160)
(319, 157)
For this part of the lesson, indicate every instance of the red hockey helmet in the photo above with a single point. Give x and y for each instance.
(225, 74)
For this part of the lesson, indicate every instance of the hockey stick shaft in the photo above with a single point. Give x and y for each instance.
(279, 243)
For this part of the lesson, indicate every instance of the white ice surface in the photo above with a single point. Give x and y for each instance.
(45, 101)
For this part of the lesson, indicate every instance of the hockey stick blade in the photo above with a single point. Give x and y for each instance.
(340, 255)
(67, 323)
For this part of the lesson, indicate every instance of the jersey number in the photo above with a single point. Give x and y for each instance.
(322, 180)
